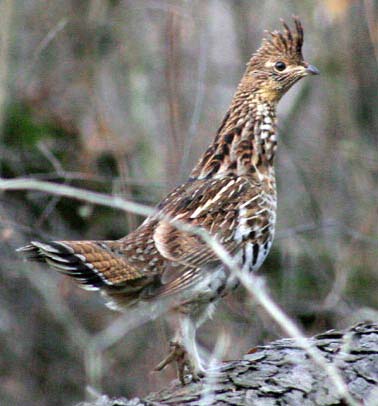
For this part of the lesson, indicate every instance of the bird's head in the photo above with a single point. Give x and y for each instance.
(277, 64)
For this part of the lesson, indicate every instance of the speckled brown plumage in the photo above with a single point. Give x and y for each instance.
(231, 193)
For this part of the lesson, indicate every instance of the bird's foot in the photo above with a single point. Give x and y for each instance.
(184, 364)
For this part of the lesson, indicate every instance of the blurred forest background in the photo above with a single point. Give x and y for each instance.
(121, 97)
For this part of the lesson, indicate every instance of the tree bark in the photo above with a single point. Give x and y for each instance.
(282, 373)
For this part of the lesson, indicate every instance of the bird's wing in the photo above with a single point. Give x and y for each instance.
(157, 250)
(210, 205)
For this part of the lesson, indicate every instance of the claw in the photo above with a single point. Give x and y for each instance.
(179, 355)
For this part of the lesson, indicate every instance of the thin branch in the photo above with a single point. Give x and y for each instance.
(371, 19)
(49, 37)
(200, 95)
(253, 283)
(212, 377)
(91, 178)
(55, 163)
(6, 11)
(77, 333)
(76, 193)
(172, 75)
(98, 344)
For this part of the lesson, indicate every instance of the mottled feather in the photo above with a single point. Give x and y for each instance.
(230, 194)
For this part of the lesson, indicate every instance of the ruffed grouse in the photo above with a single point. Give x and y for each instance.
(231, 193)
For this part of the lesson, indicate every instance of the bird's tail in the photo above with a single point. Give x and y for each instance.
(94, 264)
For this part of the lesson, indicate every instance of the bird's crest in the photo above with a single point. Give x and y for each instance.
(287, 43)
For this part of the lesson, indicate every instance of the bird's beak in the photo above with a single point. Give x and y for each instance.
(311, 70)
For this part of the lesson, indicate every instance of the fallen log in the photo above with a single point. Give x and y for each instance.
(282, 373)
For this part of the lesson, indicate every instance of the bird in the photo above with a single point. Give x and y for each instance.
(230, 194)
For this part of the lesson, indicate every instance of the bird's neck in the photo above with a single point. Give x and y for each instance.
(245, 143)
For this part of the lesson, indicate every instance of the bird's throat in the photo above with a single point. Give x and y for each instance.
(246, 142)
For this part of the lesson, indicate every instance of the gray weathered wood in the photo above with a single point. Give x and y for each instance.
(282, 374)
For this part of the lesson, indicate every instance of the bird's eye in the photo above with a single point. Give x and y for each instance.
(280, 66)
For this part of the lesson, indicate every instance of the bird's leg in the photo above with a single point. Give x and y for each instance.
(178, 355)
(188, 334)
(184, 352)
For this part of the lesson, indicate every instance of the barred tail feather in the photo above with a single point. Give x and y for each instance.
(62, 257)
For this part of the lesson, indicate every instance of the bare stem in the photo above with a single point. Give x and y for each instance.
(254, 284)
